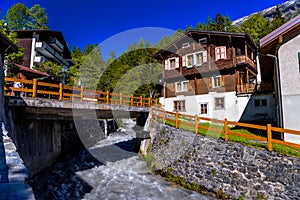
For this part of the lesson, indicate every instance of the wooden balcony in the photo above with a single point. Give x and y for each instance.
(255, 88)
(245, 59)
(245, 88)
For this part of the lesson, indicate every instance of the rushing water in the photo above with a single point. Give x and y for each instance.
(110, 169)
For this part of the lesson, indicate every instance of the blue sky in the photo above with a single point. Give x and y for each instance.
(111, 22)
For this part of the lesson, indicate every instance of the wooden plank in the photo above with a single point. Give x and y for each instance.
(48, 84)
(260, 127)
(187, 123)
(286, 143)
(47, 92)
(284, 130)
(169, 119)
(185, 115)
(247, 136)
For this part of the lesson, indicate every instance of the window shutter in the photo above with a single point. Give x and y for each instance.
(176, 62)
(210, 83)
(166, 65)
(204, 56)
(217, 53)
(222, 81)
(223, 52)
(183, 61)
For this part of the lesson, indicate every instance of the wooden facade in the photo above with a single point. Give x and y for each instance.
(209, 61)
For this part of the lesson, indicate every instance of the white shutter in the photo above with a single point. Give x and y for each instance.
(176, 62)
(217, 53)
(166, 65)
(223, 52)
(183, 61)
(204, 56)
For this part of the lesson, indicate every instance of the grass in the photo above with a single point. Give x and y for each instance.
(282, 149)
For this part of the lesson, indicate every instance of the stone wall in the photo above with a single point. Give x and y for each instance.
(216, 165)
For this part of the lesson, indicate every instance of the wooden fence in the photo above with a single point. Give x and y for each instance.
(34, 88)
(194, 122)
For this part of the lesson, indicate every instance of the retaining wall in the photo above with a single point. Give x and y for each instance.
(238, 171)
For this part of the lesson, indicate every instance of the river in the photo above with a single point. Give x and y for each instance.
(110, 169)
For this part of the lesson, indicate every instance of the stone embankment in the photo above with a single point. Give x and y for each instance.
(226, 168)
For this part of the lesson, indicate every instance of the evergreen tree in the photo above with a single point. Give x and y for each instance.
(20, 17)
(38, 18)
(278, 19)
(256, 26)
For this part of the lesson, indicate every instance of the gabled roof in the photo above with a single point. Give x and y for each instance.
(208, 34)
(284, 31)
(31, 71)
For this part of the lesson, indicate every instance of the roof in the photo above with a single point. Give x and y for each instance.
(281, 31)
(7, 44)
(44, 35)
(32, 71)
(190, 33)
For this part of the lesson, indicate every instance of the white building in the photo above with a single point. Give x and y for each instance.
(283, 45)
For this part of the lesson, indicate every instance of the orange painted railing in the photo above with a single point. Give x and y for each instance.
(34, 88)
(194, 122)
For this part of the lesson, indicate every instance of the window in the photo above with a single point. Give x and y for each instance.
(190, 60)
(260, 102)
(216, 81)
(181, 86)
(179, 105)
(171, 63)
(185, 45)
(203, 108)
(220, 52)
(219, 103)
(199, 58)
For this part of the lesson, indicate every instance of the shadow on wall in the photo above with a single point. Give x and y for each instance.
(260, 110)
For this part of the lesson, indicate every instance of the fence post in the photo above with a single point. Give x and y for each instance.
(131, 100)
(269, 132)
(107, 97)
(141, 100)
(196, 123)
(60, 91)
(149, 101)
(225, 129)
(121, 100)
(176, 119)
(156, 103)
(34, 88)
(81, 93)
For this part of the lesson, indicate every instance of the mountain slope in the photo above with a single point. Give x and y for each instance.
(289, 9)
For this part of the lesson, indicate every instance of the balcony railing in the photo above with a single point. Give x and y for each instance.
(53, 42)
(246, 88)
(245, 59)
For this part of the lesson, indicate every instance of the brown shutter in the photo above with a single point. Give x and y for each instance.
(210, 83)
(222, 81)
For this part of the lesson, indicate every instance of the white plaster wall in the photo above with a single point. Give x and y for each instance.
(235, 107)
(290, 86)
(291, 113)
(289, 67)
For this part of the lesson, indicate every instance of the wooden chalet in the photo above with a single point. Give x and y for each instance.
(210, 73)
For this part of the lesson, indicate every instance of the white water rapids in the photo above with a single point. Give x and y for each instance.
(110, 169)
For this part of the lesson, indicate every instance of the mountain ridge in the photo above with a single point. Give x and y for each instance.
(289, 10)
